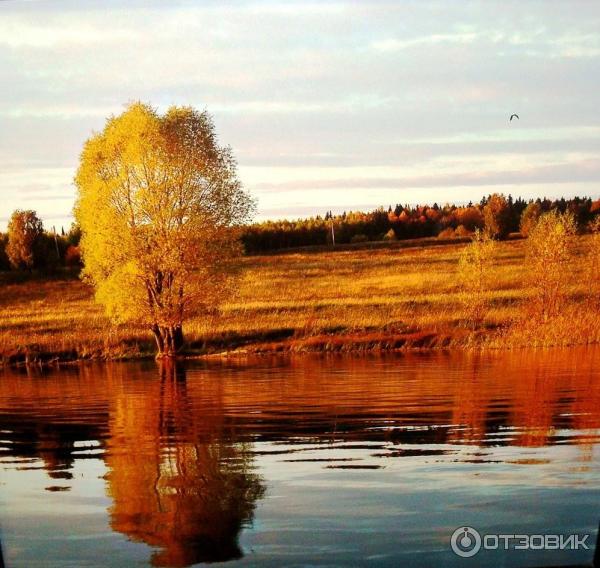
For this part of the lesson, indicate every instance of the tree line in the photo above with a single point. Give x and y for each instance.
(496, 214)
(28, 246)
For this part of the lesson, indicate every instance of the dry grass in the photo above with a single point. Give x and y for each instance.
(359, 299)
(59, 318)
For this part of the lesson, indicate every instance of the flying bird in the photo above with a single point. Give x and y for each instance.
(513, 116)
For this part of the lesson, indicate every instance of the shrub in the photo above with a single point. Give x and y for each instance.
(529, 218)
(475, 275)
(447, 233)
(592, 269)
(462, 231)
(547, 256)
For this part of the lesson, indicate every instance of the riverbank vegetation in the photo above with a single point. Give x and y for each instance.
(353, 300)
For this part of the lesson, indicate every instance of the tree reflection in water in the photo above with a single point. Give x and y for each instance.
(175, 480)
(178, 451)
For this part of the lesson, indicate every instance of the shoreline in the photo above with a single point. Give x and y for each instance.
(367, 343)
(360, 301)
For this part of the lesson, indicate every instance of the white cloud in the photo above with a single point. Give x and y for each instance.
(393, 44)
(326, 92)
(18, 33)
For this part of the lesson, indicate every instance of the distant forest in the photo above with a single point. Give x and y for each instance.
(34, 247)
(409, 222)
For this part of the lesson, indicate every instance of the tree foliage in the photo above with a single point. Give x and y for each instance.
(25, 232)
(158, 206)
(530, 217)
(592, 274)
(497, 217)
(410, 222)
(475, 271)
(548, 252)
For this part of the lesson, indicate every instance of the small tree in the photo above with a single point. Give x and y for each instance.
(592, 273)
(25, 233)
(158, 207)
(475, 275)
(530, 217)
(547, 256)
(496, 217)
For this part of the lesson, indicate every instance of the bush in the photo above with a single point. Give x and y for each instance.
(475, 274)
(447, 233)
(529, 218)
(462, 231)
(547, 256)
(592, 262)
(360, 238)
(390, 236)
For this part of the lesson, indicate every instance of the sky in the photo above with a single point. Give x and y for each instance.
(326, 105)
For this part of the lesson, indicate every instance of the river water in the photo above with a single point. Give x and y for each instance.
(338, 461)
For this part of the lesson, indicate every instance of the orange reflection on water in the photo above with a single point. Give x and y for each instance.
(174, 483)
(179, 443)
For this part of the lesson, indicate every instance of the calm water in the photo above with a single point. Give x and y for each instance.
(312, 461)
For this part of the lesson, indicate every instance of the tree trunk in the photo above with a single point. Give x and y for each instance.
(169, 339)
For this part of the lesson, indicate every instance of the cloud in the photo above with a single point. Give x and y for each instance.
(412, 94)
(394, 45)
(65, 110)
(587, 170)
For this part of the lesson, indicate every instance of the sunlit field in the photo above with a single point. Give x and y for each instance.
(346, 300)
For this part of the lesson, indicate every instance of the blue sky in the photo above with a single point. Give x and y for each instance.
(327, 105)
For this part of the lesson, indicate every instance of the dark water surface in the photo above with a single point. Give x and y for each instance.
(308, 461)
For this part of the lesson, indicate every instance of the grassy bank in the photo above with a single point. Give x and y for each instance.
(360, 299)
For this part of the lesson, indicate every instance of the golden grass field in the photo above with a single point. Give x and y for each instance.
(343, 300)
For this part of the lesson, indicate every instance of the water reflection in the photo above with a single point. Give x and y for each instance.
(174, 483)
(178, 479)
(181, 444)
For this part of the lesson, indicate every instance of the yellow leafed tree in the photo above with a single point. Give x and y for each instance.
(592, 273)
(159, 203)
(475, 272)
(548, 252)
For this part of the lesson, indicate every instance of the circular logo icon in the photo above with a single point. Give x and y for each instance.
(465, 542)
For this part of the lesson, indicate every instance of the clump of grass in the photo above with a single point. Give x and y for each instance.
(574, 325)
